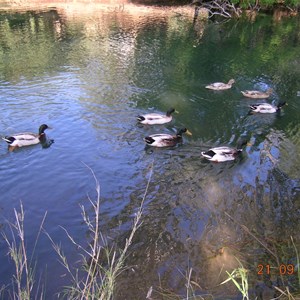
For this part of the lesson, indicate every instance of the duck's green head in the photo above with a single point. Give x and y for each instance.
(42, 128)
(170, 111)
(183, 130)
(281, 104)
(242, 141)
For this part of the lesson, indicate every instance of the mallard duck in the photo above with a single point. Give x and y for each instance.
(25, 139)
(225, 153)
(257, 94)
(266, 108)
(155, 118)
(164, 139)
(220, 85)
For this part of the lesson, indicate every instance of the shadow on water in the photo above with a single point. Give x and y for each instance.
(204, 218)
(89, 75)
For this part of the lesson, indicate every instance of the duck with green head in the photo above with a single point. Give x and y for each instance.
(225, 153)
(19, 140)
(266, 108)
(166, 140)
(156, 118)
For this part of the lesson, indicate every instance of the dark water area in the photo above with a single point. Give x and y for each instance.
(88, 74)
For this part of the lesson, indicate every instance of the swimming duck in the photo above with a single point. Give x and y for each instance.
(266, 108)
(220, 85)
(155, 118)
(225, 153)
(25, 139)
(166, 140)
(257, 94)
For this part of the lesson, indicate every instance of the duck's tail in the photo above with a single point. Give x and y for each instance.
(253, 106)
(140, 118)
(208, 154)
(149, 140)
(6, 139)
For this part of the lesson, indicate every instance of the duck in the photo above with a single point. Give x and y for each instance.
(166, 140)
(257, 94)
(155, 118)
(19, 140)
(220, 85)
(225, 153)
(266, 108)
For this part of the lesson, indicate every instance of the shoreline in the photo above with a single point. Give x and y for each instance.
(86, 7)
(83, 8)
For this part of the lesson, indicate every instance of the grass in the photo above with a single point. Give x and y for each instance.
(23, 281)
(96, 277)
(239, 277)
(92, 279)
(95, 280)
(297, 259)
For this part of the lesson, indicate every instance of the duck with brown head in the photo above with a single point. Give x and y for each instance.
(218, 86)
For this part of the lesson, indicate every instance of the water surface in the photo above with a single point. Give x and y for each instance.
(88, 76)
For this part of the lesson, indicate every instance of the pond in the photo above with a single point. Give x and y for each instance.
(88, 74)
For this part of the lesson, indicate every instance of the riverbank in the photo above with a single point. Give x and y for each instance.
(89, 8)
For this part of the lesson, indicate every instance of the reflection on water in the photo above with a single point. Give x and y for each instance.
(88, 75)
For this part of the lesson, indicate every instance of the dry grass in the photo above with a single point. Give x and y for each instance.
(92, 279)
(23, 280)
(96, 276)
(95, 280)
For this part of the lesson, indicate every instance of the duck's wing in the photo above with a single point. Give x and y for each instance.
(216, 84)
(262, 107)
(159, 137)
(26, 139)
(29, 136)
(224, 150)
(163, 137)
(220, 154)
(154, 118)
(256, 94)
(253, 93)
(161, 140)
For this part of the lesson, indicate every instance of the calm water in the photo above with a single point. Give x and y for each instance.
(88, 76)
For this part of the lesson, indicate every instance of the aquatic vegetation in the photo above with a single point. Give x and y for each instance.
(239, 277)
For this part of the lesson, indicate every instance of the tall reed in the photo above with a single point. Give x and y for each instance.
(23, 281)
(96, 280)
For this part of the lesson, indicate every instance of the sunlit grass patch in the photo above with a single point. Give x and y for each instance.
(23, 284)
(239, 277)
